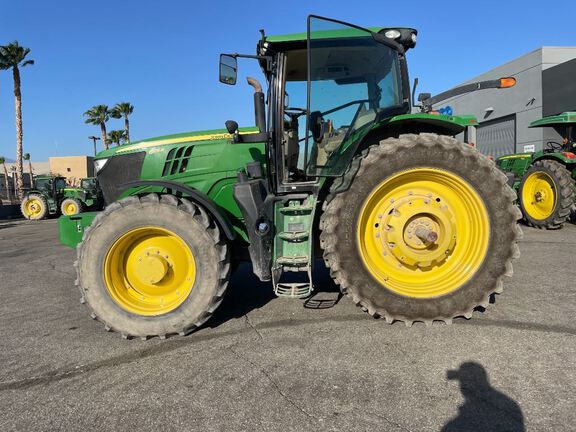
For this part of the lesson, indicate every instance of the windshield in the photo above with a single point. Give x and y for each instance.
(352, 79)
(43, 183)
(88, 183)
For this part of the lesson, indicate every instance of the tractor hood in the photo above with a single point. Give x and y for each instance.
(198, 138)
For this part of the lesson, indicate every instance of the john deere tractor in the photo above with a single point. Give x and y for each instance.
(545, 180)
(51, 196)
(413, 224)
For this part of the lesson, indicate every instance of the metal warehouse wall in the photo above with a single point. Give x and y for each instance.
(523, 103)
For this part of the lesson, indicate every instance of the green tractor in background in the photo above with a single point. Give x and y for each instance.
(545, 180)
(413, 224)
(51, 196)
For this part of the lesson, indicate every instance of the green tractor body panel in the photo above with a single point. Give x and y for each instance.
(206, 162)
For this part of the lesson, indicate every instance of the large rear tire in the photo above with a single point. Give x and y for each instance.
(34, 207)
(152, 266)
(546, 194)
(425, 232)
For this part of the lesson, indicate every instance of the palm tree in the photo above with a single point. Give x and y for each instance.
(123, 109)
(115, 136)
(27, 158)
(99, 115)
(3, 162)
(13, 56)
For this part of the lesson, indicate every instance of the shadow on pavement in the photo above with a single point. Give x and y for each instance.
(246, 293)
(484, 407)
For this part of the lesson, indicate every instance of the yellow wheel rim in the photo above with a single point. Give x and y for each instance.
(33, 208)
(70, 209)
(423, 232)
(539, 195)
(149, 271)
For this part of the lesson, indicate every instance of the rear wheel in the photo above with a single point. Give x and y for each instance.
(153, 266)
(546, 194)
(34, 207)
(70, 207)
(425, 232)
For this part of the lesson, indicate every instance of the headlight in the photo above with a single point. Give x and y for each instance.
(392, 34)
(99, 164)
(414, 37)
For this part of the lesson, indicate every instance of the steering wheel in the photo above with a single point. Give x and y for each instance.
(554, 146)
(295, 112)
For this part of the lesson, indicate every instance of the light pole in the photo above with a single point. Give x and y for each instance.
(94, 139)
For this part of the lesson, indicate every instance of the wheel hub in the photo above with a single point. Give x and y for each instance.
(151, 269)
(417, 231)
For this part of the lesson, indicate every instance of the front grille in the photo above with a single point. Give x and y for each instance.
(118, 171)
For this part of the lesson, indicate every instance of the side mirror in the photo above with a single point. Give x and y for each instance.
(231, 126)
(228, 69)
(317, 126)
(424, 96)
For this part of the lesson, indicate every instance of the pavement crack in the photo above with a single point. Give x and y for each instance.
(249, 323)
(274, 384)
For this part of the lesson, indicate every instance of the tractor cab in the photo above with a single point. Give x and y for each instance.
(565, 125)
(318, 115)
(52, 185)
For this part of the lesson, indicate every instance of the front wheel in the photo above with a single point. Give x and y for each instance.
(153, 266)
(425, 232)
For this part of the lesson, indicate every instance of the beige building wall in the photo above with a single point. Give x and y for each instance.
(72, 167)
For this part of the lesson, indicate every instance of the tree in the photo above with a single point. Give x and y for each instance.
(13, 56)
(123, 110)
(115, 136)
(6, 184)
(98, 115)
(27, 158)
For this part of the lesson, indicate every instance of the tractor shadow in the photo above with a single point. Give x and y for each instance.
(246, 293)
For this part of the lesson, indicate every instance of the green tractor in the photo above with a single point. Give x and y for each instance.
(51, 196)
(413, 224)
(545, 180)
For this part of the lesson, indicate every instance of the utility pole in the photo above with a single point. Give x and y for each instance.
(94, 139)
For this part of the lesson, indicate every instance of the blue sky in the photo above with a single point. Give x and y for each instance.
(162, 56)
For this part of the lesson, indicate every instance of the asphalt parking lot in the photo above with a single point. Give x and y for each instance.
(267, 364)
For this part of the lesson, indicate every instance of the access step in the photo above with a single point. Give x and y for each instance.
(292, 260)
(293, 290)
(294, 236)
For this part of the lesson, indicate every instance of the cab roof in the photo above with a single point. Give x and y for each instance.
(565, 119)
(324, 34)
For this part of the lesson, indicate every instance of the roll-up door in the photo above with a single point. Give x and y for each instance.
(497, 137)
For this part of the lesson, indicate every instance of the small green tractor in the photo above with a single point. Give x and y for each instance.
(413, 224)
(51, 196)
(545, 180)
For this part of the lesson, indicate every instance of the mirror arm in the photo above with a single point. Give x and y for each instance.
(269, 59)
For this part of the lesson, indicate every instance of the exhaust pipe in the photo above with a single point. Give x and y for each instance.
(259, 108)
